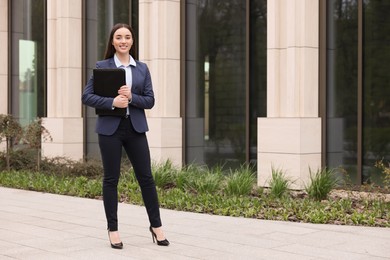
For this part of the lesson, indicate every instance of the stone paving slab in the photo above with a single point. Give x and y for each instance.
(35, 225)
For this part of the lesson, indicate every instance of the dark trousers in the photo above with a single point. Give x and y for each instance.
(137, 150)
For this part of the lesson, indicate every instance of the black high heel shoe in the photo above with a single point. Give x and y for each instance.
(116, 245)
(164, 242)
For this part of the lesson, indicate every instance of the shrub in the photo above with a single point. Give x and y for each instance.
(386, 172)
(200, 179)
(278, 184)
(164, 174)
(240, 181)
(12, 131)
(66, 166)
(33, 135)
(23, 159)
(181, 179)
(321, 183)
(90, 168)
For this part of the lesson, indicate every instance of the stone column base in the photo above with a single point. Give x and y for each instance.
(165, 139)
(292, 145)
(67, 134)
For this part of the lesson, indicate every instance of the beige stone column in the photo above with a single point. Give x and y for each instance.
(159, 47)
(3, 62)
(4, 56)
(64, 85)
(289, 138)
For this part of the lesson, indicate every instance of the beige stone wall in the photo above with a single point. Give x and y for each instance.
(64, 81)
(3, 62)
(290, 137)
(159, 47)
(4, 56)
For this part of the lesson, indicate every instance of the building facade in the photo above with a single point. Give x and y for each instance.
(294, 85)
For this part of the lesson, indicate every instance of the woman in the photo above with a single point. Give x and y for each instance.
(115, 132)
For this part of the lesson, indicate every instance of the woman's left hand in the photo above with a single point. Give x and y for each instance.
(125, 91)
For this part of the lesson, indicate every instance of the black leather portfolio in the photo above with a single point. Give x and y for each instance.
(106, 83)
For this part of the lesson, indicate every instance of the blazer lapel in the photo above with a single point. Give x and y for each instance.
(112, 63)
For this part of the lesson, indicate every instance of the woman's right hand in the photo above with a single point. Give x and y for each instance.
(121, 101)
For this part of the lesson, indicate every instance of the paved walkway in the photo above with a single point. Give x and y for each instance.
(36, 225)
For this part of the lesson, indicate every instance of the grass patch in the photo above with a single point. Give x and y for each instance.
(80, 186)
(163, 174)
(279, 183)
(240, 182)
(321, 183)
(203, 180)
(215, 191)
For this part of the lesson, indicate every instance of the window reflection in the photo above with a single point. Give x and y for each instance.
(258, 70)
(27, 81)
(216, 87)
(342, 85)
(216, 107)
(376, 87)
(342, 95)
(28, 60)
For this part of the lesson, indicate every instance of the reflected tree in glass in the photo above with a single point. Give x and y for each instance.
(342, 84)
(376, 86)
(221, 36)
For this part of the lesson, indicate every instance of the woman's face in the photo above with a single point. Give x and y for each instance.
(122, 41)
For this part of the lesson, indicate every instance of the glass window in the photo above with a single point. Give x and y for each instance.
(258, 70)
(28, 48)
(101, 15)
(376, 87)
(216, 86)
(215, 111)
(342, 87)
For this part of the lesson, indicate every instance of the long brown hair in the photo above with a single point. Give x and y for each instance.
(110, 50)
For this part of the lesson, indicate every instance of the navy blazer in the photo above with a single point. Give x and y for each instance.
(142, 98)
